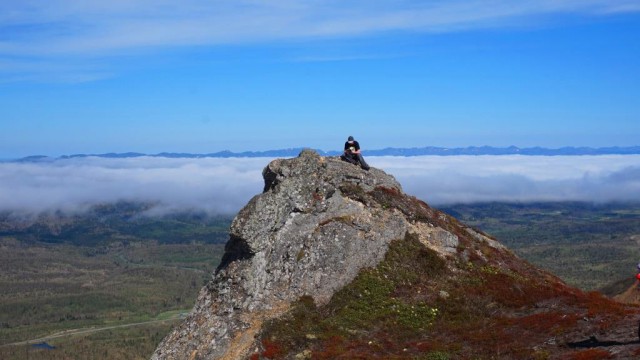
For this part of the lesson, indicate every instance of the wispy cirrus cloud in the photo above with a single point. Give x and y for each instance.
(223, 186)
(38, 38)
(63, 27)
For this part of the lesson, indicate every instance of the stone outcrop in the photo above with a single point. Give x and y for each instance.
(311, 231)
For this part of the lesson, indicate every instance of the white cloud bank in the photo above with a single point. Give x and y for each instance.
(225, 185)
(446, 180)
(213, 185)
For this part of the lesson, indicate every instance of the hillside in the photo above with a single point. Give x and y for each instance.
(331, 261)
(588, 245)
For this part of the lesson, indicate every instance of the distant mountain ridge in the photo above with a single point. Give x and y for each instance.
(428, 150)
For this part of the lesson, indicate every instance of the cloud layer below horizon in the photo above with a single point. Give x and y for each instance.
(223, 186)
(466, 179)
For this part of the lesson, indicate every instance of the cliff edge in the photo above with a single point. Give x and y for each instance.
(301, 236)
(321, 223)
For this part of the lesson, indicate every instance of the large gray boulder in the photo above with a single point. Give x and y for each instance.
(309, 233)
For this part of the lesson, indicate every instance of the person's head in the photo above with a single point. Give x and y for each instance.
(350, 138)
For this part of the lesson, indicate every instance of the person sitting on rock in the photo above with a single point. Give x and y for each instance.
(352, 153)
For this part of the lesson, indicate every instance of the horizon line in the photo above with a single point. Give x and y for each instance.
(388, 151)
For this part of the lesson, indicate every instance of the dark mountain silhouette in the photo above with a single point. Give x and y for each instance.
(429, 150)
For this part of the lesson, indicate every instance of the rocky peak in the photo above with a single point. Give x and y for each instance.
(318, 223)
(301, 236)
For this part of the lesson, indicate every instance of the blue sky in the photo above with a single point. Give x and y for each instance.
(204, 76)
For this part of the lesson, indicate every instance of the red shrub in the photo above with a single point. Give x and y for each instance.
(551, 322)
(388, 191)
(271, 350)
(591, 354)
(598, 304)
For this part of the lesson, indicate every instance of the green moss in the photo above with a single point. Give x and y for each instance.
(368, 293)
(384, 295)
(488, 269)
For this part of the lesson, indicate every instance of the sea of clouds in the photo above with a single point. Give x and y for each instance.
(223, 186)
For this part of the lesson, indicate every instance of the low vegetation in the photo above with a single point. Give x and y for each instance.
(136, 342)
(412, 306)
(589, 246)
(124, 275)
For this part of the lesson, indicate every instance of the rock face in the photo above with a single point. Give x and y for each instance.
(302, 236)
(321, 221)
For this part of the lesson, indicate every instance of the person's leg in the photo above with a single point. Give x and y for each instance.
(349, 158)
(363, 164)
